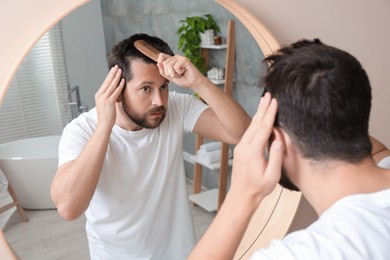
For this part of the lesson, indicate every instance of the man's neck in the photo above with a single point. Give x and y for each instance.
(327, 183)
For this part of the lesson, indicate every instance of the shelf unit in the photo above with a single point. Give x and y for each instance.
(193, 158)
(206, 199)
(213, 199)
(205, 48)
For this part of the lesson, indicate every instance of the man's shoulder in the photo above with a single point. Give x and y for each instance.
(179, 99)
(178, 95)
(86, 118)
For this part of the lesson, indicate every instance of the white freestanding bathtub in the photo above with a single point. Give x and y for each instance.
(30, 165)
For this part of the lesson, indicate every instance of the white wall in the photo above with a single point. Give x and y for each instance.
(85, 50)
(360, 27)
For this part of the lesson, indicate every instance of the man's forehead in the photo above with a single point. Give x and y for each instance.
(146, 74)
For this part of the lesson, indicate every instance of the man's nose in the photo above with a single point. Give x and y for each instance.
(158, 99)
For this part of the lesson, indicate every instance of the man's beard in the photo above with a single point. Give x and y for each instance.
(285, 181)
(142, 119)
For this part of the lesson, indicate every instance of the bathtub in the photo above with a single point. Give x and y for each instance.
(30, 165)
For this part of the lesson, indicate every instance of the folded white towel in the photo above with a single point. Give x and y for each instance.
(212, 157)
(208, 147)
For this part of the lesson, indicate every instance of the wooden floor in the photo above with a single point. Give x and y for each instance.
(47, 236)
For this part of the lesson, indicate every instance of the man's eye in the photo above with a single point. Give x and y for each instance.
(145, 89)
(165, 86)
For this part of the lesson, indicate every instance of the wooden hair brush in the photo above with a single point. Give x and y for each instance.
(146, 49)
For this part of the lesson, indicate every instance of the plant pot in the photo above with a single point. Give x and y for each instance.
(207, 38)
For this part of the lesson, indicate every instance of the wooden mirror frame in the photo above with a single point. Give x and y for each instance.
(23, 22)
(282, 211)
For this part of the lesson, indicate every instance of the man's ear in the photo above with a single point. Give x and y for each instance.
(289, 146)
(275, 135)
(278, 134)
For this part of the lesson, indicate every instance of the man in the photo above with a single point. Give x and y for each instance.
(122, 162)
(316, 109)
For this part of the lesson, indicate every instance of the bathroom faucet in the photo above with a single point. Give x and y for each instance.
(76, 105)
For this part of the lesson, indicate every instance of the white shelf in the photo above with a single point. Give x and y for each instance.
(213, 46)
(217, 81)
(191, 158)
(207, 199)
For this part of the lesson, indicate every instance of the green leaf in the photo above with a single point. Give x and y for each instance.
(189, 38)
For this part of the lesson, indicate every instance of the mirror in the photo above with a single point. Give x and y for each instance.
(279, 203)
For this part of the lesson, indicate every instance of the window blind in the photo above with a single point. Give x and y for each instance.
(37, 100)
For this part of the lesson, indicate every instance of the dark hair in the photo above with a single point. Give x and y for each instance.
(324, 98)
(124, 52)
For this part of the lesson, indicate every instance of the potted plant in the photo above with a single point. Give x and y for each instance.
(190, 39)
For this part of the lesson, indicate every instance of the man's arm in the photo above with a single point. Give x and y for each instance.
(75, 182)
(226, 120)
(253, 178)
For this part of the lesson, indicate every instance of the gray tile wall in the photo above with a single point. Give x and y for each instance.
(122, 18)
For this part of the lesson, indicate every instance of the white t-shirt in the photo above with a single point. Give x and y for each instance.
(140, 209)
(385, 163)
(356, 227)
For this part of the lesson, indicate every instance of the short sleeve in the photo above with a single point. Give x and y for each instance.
(74, 137)
(190, 107)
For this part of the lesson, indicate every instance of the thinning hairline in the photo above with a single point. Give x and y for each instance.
(130, 59)
(146, 82)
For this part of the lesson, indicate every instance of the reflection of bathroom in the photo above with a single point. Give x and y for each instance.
(88, 34)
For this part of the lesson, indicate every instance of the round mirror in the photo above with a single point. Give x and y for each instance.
(275, 217)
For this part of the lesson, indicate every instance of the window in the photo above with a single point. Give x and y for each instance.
(37, 100)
